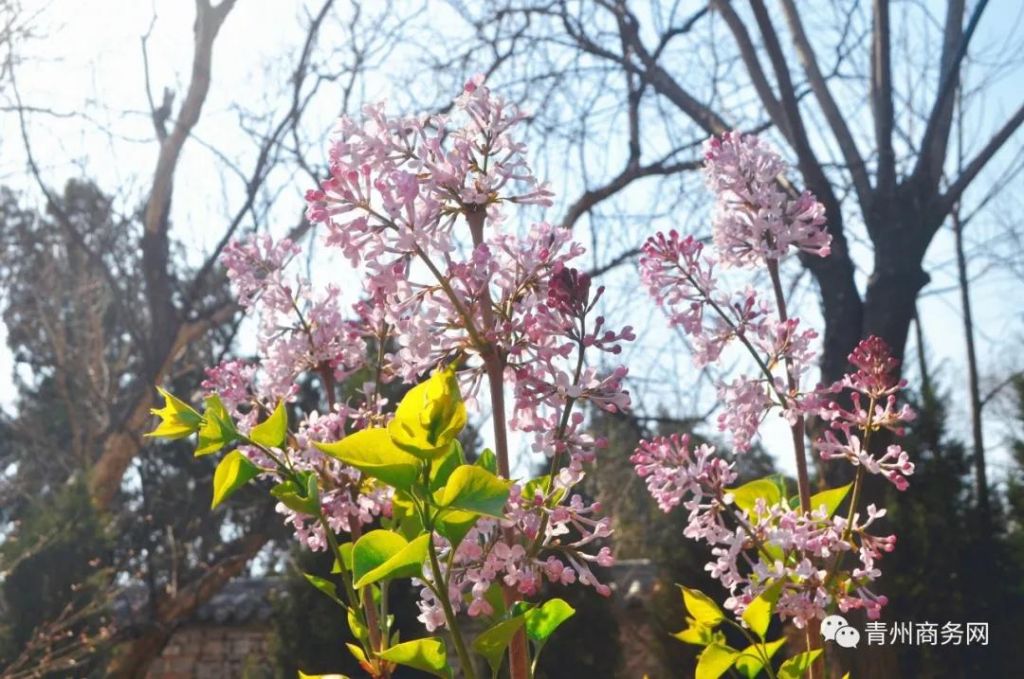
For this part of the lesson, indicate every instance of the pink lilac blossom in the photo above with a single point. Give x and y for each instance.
(744, 404)
(753, 549)
(754, 218)
(672, 469)
(873, 381)
(399, 192)
(756, 223)
(300, 332)
(798, 549)
(483, 558)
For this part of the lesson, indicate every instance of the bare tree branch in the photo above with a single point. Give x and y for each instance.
(978, 163)
(828, 104)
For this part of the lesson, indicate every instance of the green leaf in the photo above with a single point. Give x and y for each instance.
(372, 452)
(325, 586)
(356, 652)
(406, 563)
(272, 431)
(491, 643)
(796, 666)
(747, 495)
(541, 622)
(303, 675)
(830, 498)
(714, 661)
(541, 483)
(357, 627)
(217, 430)
(455, 524)
(373, 550)
(474, 489)
(234, 471)
(404, 516)
(303, 498)
(346, 557)
(702, 607)
(177, 418)
(758, 613)
(488, 460)
(751, 662)
(496, 598)
(441, 470)
(427, 655)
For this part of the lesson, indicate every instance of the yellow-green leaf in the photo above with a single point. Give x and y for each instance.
(303, 675)
(372, 452)
(830, 499)
(488, 461)
(758, 613)
(695, 633)
(427, 655)
(474, 489)
(216, 430)
(702, 607)
(747, 495)
(442, 468)
(491, 643)
(233, 472)
(177, 418)
(714, 661)
(373, 550)
(406, 563)
(302, 497)
(797, 666)
(272, 431)
(454, 524)
(541, 622)
(751, 660)
(357, 627)
(346, 556)
(430, 416)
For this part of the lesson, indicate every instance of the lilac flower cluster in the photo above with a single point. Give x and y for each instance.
(415, 205)
(756, 222)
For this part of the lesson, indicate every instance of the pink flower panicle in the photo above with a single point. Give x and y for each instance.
(754, 218)
(399, 197)
(755, 223)
(875, 382)
(672, 468)
(802, 546)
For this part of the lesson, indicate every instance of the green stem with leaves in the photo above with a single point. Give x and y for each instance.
(757, 646)
(440, 589)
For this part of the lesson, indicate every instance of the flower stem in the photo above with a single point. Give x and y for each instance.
(369, 610)
(494, 360)
(799, 431)
(441, 592)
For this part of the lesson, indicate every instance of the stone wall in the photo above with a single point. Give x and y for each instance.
(216, 652)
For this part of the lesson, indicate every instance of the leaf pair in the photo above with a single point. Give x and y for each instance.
(539, 622)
